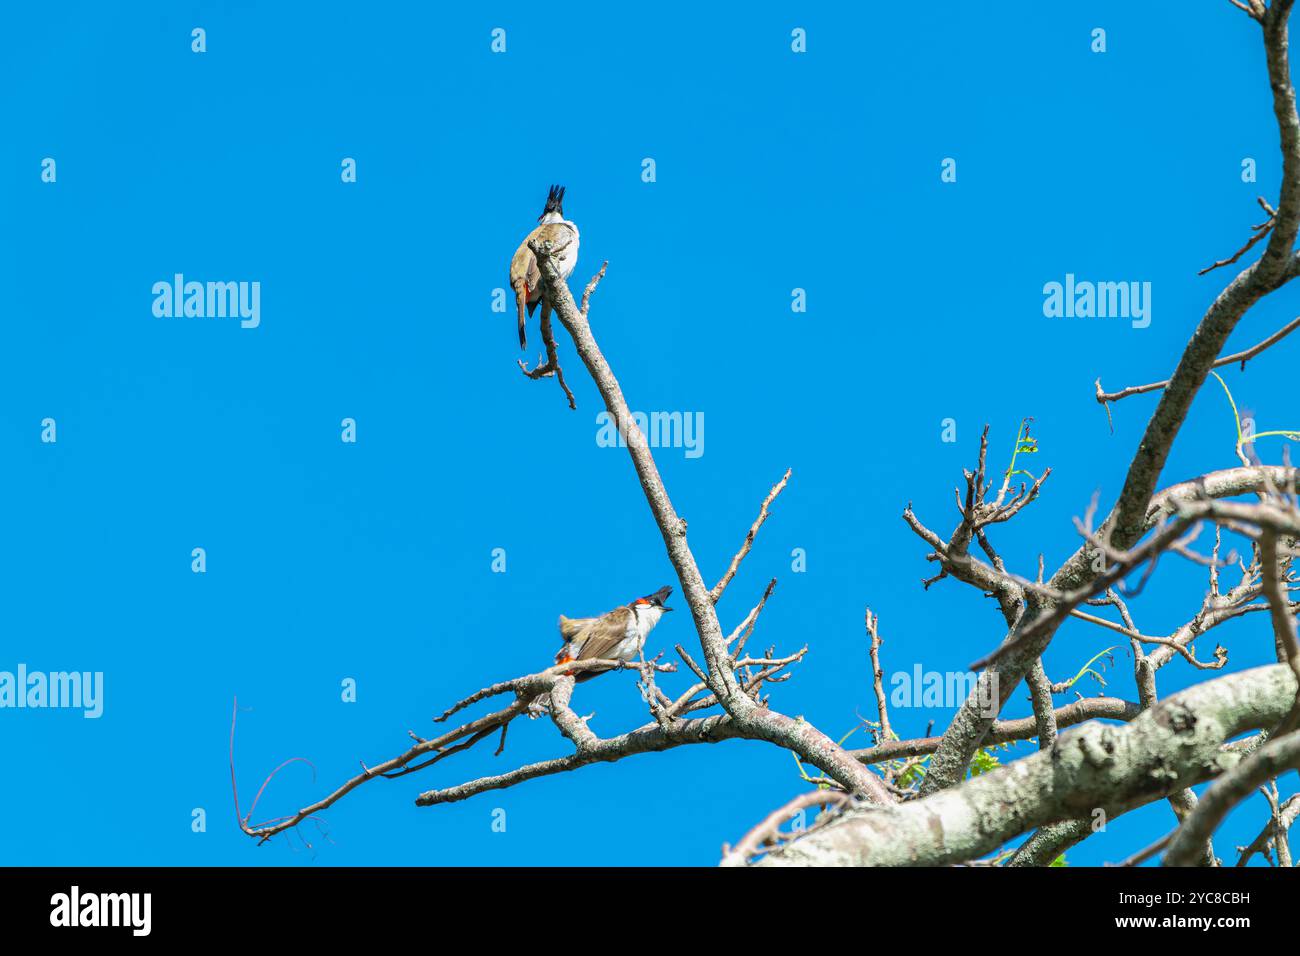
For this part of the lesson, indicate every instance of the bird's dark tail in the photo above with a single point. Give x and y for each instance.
(521, 300)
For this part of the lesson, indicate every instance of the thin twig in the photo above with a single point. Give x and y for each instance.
(716, 594)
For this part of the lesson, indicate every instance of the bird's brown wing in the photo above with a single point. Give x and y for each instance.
(526, 280)
(603, 634)
(570, 627)
(523, 269)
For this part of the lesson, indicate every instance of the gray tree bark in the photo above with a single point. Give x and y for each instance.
(1179, 742)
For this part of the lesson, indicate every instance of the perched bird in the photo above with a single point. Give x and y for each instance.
(525, 276)
(618, 635)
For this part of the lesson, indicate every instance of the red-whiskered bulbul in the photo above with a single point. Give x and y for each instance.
(617, 635)
(525, 276)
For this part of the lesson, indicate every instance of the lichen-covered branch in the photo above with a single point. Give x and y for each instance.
(1177, 743)
(1271, 759)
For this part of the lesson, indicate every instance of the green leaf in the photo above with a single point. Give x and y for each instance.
(983, 762)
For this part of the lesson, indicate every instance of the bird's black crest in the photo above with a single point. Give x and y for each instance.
(555, 200)
(660, 596)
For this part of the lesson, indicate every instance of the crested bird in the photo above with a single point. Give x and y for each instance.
(525, 276)
(619, 634)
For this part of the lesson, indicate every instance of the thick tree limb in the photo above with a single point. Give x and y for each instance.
(1274, 757)
(1050, 842)
(1177, 743)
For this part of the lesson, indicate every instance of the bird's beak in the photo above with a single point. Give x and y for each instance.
(665, 607)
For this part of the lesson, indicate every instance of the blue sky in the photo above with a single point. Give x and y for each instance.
(372, 561)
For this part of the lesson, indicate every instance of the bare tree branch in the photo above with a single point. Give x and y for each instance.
(878, 676)
(751, 718)
(552, 363)
(1260, 232)
(1008, 731)
(1274, 833)
(526, 689)
(1243, 357)
(757, 839)
(716, 594)
(649, 738)
(1272, 567)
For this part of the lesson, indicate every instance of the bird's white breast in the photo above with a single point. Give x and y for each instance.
(569, 256)
(644, 618)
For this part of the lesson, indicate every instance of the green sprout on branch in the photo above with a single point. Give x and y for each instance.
(1025, 445)
(1087, 669)
(1244, 439)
